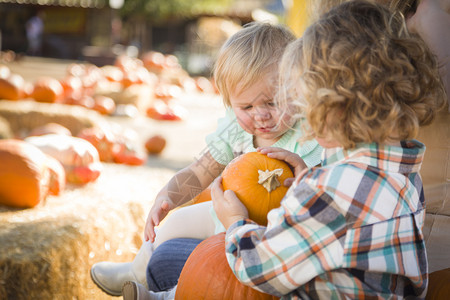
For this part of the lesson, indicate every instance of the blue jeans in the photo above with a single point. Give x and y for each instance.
(167, 261)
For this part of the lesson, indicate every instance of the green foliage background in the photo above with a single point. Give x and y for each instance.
(155, 11)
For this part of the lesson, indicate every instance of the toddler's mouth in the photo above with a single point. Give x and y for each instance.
(266, 129)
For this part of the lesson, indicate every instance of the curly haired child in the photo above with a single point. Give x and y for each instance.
(352, 228)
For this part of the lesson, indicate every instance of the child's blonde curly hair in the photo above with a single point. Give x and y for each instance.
(359, 77)
(249, 55)
(319, 7)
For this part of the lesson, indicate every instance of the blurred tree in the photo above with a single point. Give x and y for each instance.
(144, 14)
(156, 11)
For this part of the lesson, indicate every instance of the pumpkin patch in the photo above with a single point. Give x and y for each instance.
(257, 180)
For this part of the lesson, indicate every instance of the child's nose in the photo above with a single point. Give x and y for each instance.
(262, 115)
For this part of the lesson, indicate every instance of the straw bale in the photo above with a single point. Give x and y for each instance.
(23, 116)
(5, 129)
(47, 252)
(139, 95)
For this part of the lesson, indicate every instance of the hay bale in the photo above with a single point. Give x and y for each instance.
(5, 129)
(47, 252)
(23, 116)
(139, 95)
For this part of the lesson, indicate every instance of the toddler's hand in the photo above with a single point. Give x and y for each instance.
(228, 207)
(294, 160)
(156, 215)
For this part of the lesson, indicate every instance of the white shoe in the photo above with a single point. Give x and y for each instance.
(111, 276)
(135, 291)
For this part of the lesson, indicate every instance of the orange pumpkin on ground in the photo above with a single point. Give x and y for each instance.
(207, 275)
(258, 181)
(155, 144)
(47, 89)
(27, 175)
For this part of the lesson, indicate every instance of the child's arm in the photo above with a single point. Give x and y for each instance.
(432, 22)
(184, 185)
(283, 256)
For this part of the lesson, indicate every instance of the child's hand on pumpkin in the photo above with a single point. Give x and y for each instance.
(293, 160)
(157, 213)
(228, 207)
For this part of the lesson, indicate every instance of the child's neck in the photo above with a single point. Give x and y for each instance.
(260, 142)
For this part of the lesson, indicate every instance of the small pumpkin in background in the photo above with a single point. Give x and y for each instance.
(155, 144)
(79, 158)
(104, 105)
(207, 275)
(12, 87)
(103, 140)
(258, 181)
(27, 175)
(49, 128)
(47, 89)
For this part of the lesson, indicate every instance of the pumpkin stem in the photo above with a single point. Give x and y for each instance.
(269, 179)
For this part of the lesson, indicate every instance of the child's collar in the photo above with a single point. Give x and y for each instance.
(404, 157)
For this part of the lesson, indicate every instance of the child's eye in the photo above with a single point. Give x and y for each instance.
(247, 107)
(272, 104)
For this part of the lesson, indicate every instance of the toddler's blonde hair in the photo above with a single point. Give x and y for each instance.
(358, 76)
(248, 56)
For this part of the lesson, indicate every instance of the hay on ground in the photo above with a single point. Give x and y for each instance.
(47, 252)
(25, 115)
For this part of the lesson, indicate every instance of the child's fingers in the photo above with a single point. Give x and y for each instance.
(216, 188)
(288, 182)
(266, 150)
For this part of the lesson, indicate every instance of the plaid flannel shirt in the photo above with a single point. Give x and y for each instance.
(349, 229)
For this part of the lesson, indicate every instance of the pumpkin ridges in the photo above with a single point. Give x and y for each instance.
(24, 176)
(207, 275)
(17, 196)
(241, 176)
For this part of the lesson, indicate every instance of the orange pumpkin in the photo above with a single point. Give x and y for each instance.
(103, 140)
(207, 275)
(57, 181)
(438, 287)
(204, 196)
(47, 89)
(155, 144)
(5, 72)
(79, 158)
(49, 128)
(104, 105)
(24, 176)
(12, 87)
(257, 180)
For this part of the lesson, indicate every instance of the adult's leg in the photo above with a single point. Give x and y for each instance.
(167, 262)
